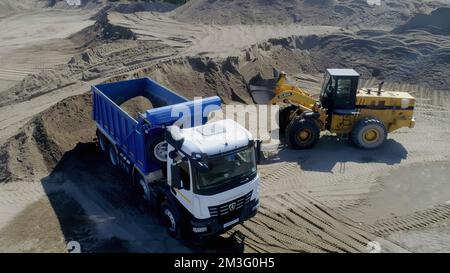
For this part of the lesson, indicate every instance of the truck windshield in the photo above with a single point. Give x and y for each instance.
(227, 171)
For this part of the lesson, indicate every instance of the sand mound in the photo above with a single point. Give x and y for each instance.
(102, 31)
(136, 105)
(95, 44)
(437, 22)
(324, 12)
(34, 85)
(199, 77)
(40, 144)
(384, 55)
(144, 6)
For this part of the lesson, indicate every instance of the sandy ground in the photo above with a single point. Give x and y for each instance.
(25, 34)
(56, 188)
(204, 39)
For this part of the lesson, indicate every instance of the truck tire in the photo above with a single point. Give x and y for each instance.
(113, 156)
(158, 150)
(369, 133)
(143, 189)
(102, 142)
(302, 133)
(171, 219)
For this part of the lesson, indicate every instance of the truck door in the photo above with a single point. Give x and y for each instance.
(183, 194)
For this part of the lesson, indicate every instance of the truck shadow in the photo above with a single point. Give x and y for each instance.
(97, 209)
(331, 155)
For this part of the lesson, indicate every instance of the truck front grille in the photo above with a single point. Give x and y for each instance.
(231, 206)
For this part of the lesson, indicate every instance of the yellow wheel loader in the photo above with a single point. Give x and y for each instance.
(365, 116)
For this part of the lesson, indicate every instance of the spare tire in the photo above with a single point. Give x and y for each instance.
(157, 149)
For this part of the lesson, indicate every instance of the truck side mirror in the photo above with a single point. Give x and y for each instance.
(176, 177)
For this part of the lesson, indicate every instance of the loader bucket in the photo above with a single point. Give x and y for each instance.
(263, 90)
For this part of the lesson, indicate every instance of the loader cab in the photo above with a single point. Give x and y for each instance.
(339, 89)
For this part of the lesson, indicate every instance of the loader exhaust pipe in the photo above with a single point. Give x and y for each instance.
(380, 86)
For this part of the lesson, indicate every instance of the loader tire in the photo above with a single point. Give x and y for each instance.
(302, 133)
(283, 117)
(369, 133)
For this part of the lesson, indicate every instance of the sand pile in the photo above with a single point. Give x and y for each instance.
(316, 12)
(436, 23)
(199, 77)
(393, 57)
(41, 143)
(101, 32)
(136, 105)
(130, 7)
(34, 85)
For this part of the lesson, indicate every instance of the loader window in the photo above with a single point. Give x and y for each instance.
(344, 87)
(345, 96)
(326, 84)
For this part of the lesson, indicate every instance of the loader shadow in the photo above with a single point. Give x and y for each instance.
(331, 153)
(96, 208)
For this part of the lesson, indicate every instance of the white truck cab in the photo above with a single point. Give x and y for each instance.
(212, 172)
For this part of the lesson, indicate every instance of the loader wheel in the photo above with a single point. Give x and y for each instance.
(171, 220)
(283, 117)
(369, 133)
(302, 134)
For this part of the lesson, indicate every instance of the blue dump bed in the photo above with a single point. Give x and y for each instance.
(132, 136)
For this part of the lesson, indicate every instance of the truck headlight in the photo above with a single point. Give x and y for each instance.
(200, 229)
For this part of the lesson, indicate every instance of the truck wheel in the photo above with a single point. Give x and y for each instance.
(103, 142)
(171, 220)
(113, 156)
(302, 133)
(143, 189)
(369, 133)
(158, 150)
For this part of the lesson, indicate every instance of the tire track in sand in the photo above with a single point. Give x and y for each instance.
(295, 222)
(416, 220)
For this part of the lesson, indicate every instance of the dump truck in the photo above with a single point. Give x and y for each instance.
(201, 179)
(364, 115)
